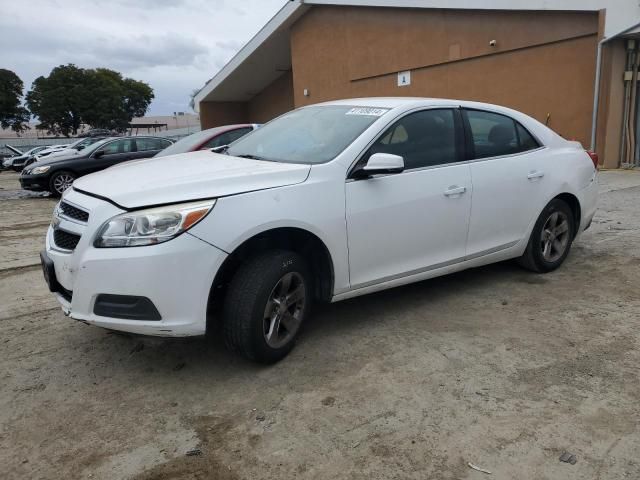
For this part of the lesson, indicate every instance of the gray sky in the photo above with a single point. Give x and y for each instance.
(173, 45)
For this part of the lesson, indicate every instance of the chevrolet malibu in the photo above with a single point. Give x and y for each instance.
(324, 203)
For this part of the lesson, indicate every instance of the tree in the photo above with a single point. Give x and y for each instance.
(117, 100)
(12, 114)
(101, 98)
(59, 99)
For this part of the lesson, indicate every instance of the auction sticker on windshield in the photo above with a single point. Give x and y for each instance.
(369, 111)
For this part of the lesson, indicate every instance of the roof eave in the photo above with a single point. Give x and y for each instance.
(292, 9)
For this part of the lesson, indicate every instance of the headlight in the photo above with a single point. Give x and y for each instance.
(39, 170)
(152, 226)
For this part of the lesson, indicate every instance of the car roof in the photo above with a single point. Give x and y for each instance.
(389, 102)
(397, 102)
(143, 136)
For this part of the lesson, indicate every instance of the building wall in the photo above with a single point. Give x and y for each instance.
(620, 13)
(543, 63)
(274, 100)
(611, 104)
(215, 114)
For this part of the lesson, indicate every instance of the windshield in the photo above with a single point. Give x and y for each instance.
(187, 144)
(85, 142)
(308, 135)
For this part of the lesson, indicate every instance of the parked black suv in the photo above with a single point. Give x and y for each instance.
(58, 173)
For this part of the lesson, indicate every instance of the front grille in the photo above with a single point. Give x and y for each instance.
(65, 240)
(70, 211)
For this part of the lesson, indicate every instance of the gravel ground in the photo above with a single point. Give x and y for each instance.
(495, 366)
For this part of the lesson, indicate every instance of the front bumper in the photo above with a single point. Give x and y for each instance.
(36, 183)
(175, 276)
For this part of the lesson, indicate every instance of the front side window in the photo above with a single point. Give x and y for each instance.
(423, 139)
(119, 146)
(495, 135)
(308, 135)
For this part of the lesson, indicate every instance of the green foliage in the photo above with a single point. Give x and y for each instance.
(59, 99)
(12, 114)
(101, 98)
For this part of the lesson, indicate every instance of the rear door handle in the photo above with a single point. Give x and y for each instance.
(534, 175)
(455, 190)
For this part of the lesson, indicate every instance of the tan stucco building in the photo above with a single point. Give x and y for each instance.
(539, 59)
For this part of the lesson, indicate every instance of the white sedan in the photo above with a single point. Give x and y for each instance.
(324, 203)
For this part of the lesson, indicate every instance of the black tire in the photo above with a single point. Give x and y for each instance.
(535, 257)
(54, 187)
(250, 292)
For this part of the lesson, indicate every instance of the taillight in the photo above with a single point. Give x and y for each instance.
(594, 159)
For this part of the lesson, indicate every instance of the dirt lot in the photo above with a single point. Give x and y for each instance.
(495, 366)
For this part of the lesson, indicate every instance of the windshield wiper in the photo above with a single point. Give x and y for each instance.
(254, 157)
(221, 149)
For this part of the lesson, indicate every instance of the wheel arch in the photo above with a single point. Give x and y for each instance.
(574, 204)
(297, 239)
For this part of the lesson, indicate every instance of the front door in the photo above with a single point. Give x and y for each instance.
(410, 222)
(114, 152)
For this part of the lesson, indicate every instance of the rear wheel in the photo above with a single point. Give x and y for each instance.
(551, 238)
(60, 181)
(266, 304)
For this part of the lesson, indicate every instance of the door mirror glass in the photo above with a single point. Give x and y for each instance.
(380, 163)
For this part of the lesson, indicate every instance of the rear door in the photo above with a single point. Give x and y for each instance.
(411, 222)
(508, 174)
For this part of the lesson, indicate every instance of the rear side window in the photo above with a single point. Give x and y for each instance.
(226, 138)
(146, 144)
(422, 139)
(495, 135)
(527, 142)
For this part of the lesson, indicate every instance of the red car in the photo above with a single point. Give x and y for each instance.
(211, 138)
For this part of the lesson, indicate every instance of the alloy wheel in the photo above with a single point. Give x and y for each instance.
(62, 182)
(284, 309)
(555, 237)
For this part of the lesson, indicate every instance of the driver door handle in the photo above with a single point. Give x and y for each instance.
(534, 175)
(455, 190)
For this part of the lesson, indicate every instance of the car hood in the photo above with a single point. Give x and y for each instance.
(188, 176)
(53, 160)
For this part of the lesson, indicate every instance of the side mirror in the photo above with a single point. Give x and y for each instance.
(220, 149)
(99, 153)
(80, 147)
(381, 163)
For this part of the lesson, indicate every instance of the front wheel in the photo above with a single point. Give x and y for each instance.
(60, 181)
(550, 239)
(266, 304)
